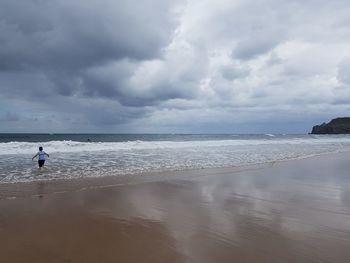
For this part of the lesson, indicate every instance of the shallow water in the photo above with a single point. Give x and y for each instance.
(127, 154)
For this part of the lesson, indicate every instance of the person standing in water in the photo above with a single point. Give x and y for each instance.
(41, 159)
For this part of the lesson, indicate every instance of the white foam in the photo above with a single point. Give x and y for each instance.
(76, 147)
(72, 159)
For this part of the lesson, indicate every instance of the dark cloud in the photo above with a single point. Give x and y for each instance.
(60, 41)
(25, 86)
(126, 65)
(63, 34)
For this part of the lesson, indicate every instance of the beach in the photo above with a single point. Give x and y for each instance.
(290, 211)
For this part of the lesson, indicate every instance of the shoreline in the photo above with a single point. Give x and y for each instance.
(292, 211)
(63, 185)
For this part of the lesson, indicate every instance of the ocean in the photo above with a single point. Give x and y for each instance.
(96, 155)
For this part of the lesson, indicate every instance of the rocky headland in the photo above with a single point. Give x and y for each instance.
(335, 126)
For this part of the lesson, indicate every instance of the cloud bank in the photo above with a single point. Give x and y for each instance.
(173, 66)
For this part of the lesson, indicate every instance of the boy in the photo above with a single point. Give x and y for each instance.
(41, 155)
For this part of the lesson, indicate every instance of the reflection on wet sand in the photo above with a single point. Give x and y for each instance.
(297, 211)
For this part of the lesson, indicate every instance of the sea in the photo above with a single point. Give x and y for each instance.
(99, 155)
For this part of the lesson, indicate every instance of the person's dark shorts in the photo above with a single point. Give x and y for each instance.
(41, 163)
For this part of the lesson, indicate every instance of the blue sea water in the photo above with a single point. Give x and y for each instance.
(96, 155)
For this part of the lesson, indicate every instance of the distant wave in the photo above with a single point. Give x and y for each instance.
(75, 146)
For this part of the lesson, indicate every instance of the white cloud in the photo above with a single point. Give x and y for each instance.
(343, 75)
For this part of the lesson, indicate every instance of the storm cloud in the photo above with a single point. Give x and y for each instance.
(173, 66)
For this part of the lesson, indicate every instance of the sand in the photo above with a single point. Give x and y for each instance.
(293, 211)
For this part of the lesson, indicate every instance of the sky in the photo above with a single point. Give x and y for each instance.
(173, 66)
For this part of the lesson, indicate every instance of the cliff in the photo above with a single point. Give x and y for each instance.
(335, 126)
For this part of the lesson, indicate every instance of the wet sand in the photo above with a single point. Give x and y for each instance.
(294, 211)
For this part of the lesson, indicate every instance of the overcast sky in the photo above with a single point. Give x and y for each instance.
(230, 66)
